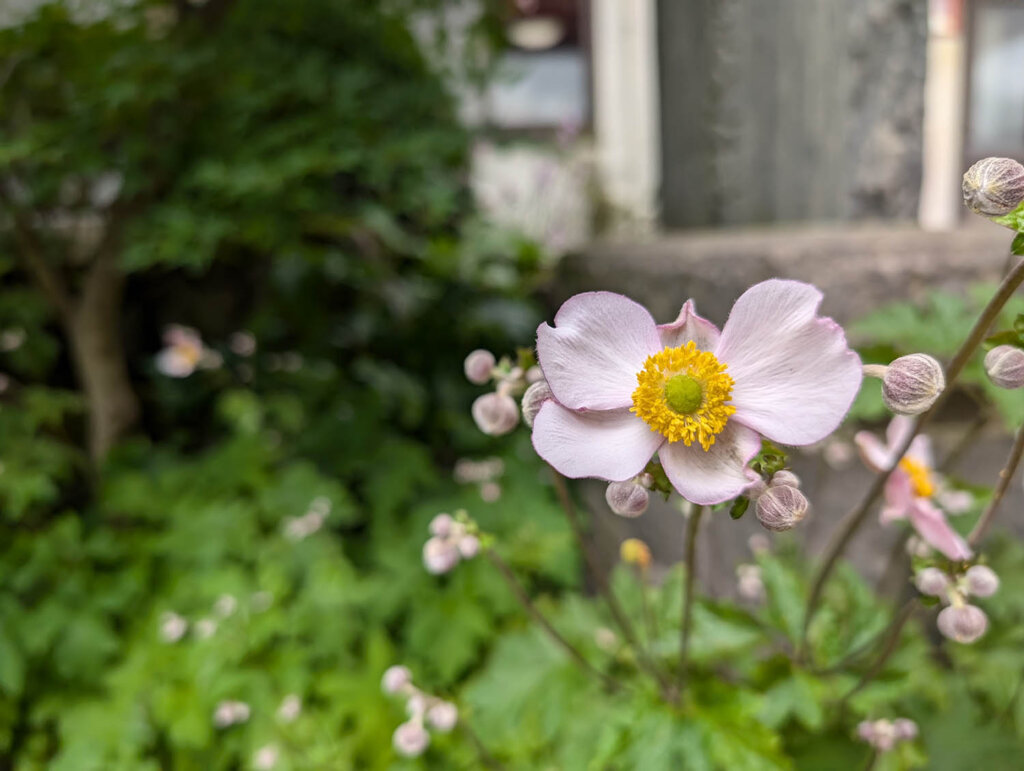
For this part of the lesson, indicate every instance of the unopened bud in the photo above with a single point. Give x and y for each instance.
(495, 413)
(468, 546)
(905, 729)
(781, 508)
(441, 525)
(963, 623)
(981, 581)
(1005, 366)
(410, 739)
(932, 582)
(478, 366)
(784, 477)
(750, 584)
(994, 186)
(633, 551)
(534, 399)
(627, 499)
(440, 555)
(911, 384)
(443, 716)
(395, 679)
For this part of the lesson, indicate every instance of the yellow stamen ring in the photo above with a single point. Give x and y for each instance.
(683, 394)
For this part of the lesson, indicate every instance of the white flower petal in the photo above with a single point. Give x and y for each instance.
(715, 475)
(689, 327)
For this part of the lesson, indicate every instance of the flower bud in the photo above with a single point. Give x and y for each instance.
(994, 186)
(750, 584)
(534, 399)
(439, 555)
(962, 624)
(627, 499)
(785, 477)
(911, 384)
(410, 739)
(633, 551)
(981, 581)
(1005, 366)
(931, 581)
(781, 508)
(441, 525)
(443, 716)
(495, 413)
(905, 729)
(478, 366)
(395, 679)
(468, 546)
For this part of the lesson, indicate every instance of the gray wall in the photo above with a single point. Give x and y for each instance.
(788, 110)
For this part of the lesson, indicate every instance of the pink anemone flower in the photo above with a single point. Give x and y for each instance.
(913, 486)
(625, 387)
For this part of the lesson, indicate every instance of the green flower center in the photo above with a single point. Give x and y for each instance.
(683, 394)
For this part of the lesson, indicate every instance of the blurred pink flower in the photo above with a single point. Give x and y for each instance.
(184, 353)
(626, 388)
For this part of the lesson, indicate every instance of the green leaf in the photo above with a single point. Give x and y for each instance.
(12, 665)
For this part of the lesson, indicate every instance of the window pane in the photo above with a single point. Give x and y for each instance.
(997, 89)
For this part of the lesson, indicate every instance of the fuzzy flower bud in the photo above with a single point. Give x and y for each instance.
(750, 584)
(633, 551)
(911, 384)
(468, 546)
(441, 525)
(784, 477)
(395, 679)
(495, 413)
(478, 366)
(932, 582)
(627, 499)
(994, 186)
(905, 729)
(440, 555)
(781, 508)
(981, 581)
(534, 399)
(443, 716)
(1005, 366)
(963, 623)
(410, 739)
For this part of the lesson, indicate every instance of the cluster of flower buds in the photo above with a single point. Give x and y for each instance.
(884, 735)
(451, 539)
(778, 503)
(484, 473)
(959, 621)
(229, 713)
(630, 498)
(910, 384)
(1004, 365)
(994, 186)
(299, 528)
(635, 552)
(497, 413)
(411, 738)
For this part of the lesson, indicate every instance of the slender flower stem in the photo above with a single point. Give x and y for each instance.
(528, 605)
(485, 756)
(855, 518)
(892, 639)
(1012, 462)
(692, 526)
(872, 760)
(649, 623)
(601, 581)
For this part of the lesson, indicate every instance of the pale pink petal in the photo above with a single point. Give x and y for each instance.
(715, 475)
(592, 355)
(795, 377)
(899, 497)
(897, 431)
(930, 523)
(689, 327)
(954, 501)
(613, 445)
(876, 456)
(920, 450)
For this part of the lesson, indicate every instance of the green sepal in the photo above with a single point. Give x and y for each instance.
(739, 507)
(1017, 247)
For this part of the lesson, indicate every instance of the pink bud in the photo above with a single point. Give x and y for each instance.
(911, 384)
(441, 525)
(395, 679)
(410, 739)
(439, 555)
(478, 366)
(443, 716)
(785, 477)
(495, 413)
(468, 546)
(781, 508)
(981, 581)
(1005, 366)
(534, 399)
(931, 581)
(627, 499)
(905, 729)
(962, 624)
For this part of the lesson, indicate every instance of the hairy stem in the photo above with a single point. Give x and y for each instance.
(524, 599)
(855, 518)
(1012, 462)
(692, 526)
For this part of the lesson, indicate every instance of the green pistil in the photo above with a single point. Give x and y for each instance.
(683, 394)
